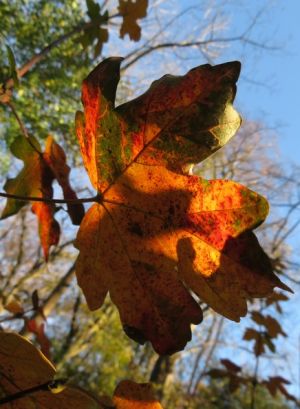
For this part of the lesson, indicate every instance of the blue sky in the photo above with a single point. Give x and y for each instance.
(276, 100)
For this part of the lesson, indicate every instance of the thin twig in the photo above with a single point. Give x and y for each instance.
(22, 126)
(96, 198)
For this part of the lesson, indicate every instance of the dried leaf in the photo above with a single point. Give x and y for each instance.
(49, 230)
(131, 11)
(55, 157)
(14, 307)
(230, 366)
(157, 234)
(35, 179)
(271, 324)
(24, 367)
(131, 395)
(276, 383)
(38, 329)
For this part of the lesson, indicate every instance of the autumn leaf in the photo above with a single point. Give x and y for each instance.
(271, 324)
(38, 329)
(131, 11)
(31, 179)
(55, 158)
(35, 180)
(15, 307)
(24, 367)
(156, 234)
(131, 395)
(276, 384)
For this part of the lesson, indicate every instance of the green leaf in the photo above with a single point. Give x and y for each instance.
(93, 9)
(12, 66)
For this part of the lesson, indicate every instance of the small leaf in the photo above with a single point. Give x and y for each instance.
(14, 307)
(93, 9)
(276, 384)
(49, 230)
(35, 300)
(55, 157)
(12, 65)
(29, 181)
(251, 334)
(230, 366)
(131, 395)
(38, 329)
(131, 11)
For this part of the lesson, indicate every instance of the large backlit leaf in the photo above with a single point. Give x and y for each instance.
(178, 121)
(23, 367)
(156, 234)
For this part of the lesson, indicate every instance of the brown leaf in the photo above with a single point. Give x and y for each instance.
(276, 383)
(131, 395)
(230, 366)
(38, 329)
(24, 367)
(271, 324)
(49, 230)
(131, 11)
(55, 157)
(35, 179)
(14, 307)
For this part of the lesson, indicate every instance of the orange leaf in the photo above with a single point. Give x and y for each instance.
(157, 236)
(55, 157)
(14, 307)
(49, 230)
(38, 329)
(131, 395)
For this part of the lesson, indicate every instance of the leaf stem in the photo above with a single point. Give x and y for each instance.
(22, 126)
(97, 198)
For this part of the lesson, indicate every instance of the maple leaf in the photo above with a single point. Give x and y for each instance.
(35, 180)
(131, 11)
(55, 158)
(156, 234)
(276, 383)
(24, 367)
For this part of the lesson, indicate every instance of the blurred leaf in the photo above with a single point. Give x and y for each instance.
(12, 66)
(38, 329)
(230, 366)
(93, 9)
(131, 395)
(131, 11)
(14, 307)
